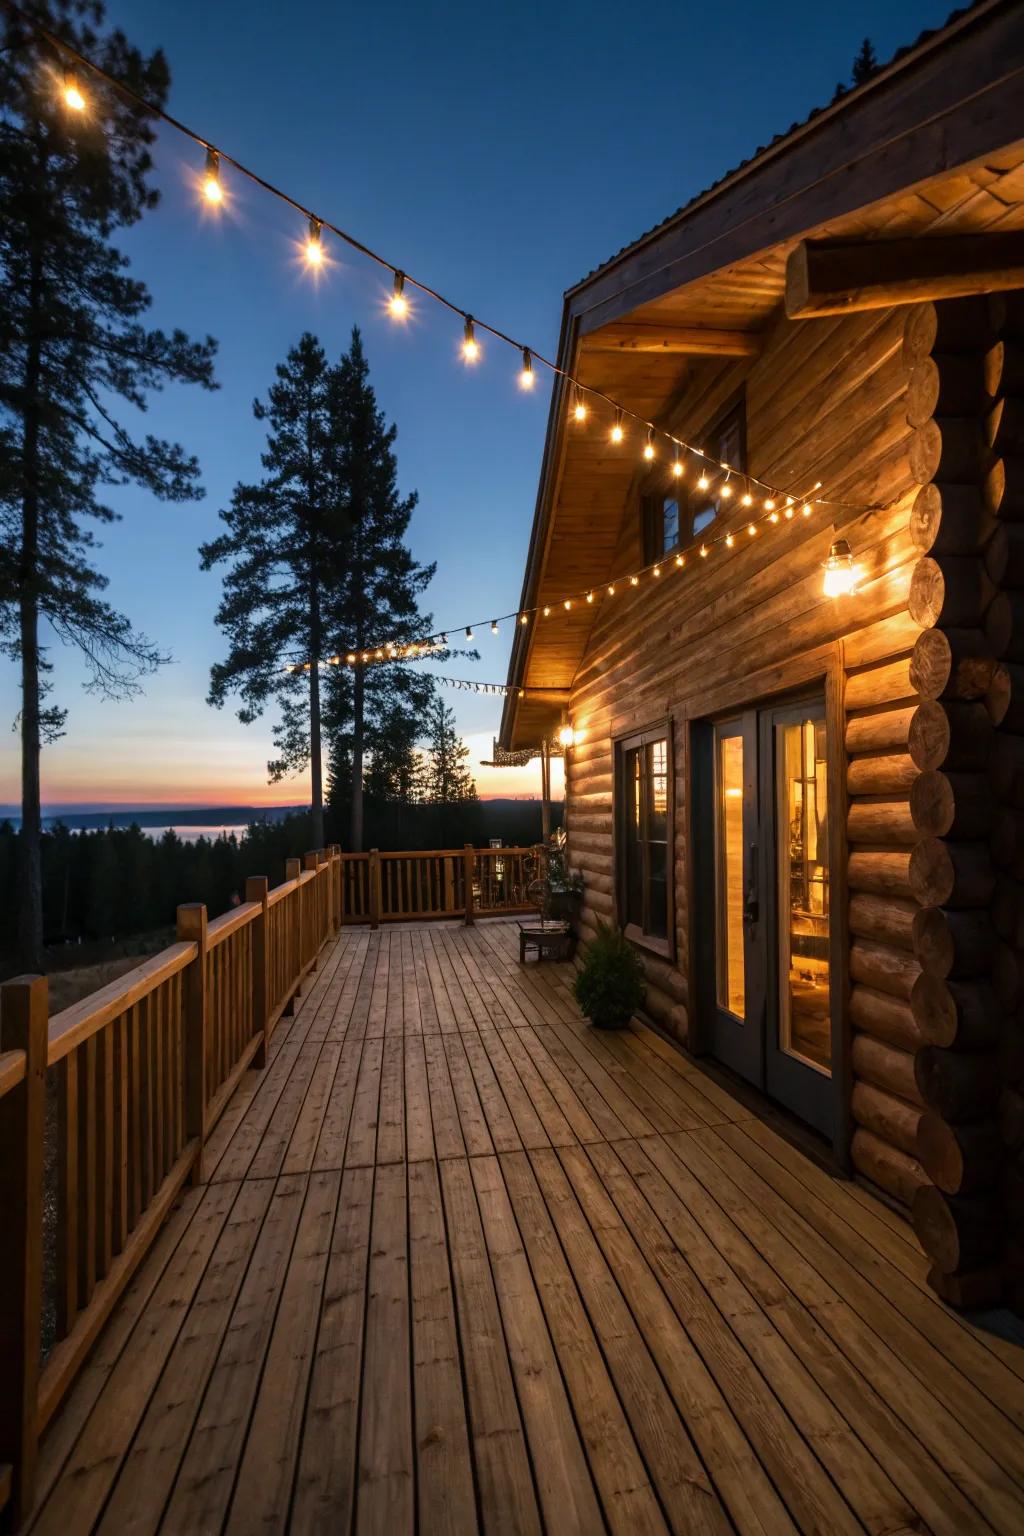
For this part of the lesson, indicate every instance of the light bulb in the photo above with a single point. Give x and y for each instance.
(73, 96)
(547, 612)
(351, 658)
(839, 573)
(769, 504)
(746, 500)
(789, 512)
(649, 445)
(212, 189)
(567, 735)
(751, 529)
(703, 482)
(469, 632)
(774, 517)
(611, 591)
(634, 581)
(526, 372)
(398, 303)
(704, 551)
(494, 626)
(617, 433)
(680, 560)
(726, 491)
(677, 467)
(524, 618)
(579, 410)
(806, 509)
(656, 571)
(729, 541)
(314, 245)
(567, 604)
(470, 345)
(590, 597)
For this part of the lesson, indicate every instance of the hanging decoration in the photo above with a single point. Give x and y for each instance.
(580, 395)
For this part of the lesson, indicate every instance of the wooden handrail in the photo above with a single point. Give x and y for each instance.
(72, 1026)
(221, 928)
(12, 1070)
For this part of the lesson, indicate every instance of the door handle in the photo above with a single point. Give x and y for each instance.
(751, 905)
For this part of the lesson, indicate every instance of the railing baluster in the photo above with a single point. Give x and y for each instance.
(67, 1197)
(192, 927)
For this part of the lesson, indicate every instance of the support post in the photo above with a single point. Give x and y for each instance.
(257, 888)
(192, 929)
(23, 1027)
(468, 863)
(545, 791)
(375, 888)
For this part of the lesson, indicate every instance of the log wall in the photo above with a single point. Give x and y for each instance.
(827, 401)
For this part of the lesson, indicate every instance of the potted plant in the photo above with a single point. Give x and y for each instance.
(609, 985)
(565, 888)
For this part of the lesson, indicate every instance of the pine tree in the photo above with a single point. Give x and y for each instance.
(447, 780)
(285, 544)
(72, 347)
(371, 709)
(865, 64)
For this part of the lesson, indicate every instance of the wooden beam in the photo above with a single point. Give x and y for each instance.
(836, 277)
(669, 340)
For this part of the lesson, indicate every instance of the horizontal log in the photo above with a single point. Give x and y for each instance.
(961, 1015)
(1011, 1118)
(886, 1116)
(959, 1159)
(839, 277)
(951, 943)
(886, 1067)
(972, 1290)
(952, 590)
(951, 734)
(635, 337)
(884, 1018)
(884, 918)
(1006, 768)
(944, 874)
(957, 805)
(1004, 368)
(959, 1085)
(1004, 625)
(899, 1174)
(1004, 556)
(881, 822)
(957, 1232)
(879, 685)
(884, 968)
(950, 520)
(884, 874)
(881, 774)
(952, 384)
(968, 326)
(952, 663)
(999, 695)
(1007, 911)
(1004, 425)
(949, 449)
(1003, 488)
(883, 730)
(881, 641)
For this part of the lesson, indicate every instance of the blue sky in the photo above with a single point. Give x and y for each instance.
(497, 151)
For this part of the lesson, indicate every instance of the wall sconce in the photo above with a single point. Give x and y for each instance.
(566, 735)
(840, 576)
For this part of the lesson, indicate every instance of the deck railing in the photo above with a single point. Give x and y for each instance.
(139, 1073)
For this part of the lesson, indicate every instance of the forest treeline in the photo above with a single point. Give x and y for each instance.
(118, 882)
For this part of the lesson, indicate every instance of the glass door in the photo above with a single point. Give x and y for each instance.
(762, 878)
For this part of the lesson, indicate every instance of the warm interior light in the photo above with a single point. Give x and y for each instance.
(212, 189)
(314, 245)
(470, 345)
(840, 576)
(526, 372)
(399, 304)
(73, 96)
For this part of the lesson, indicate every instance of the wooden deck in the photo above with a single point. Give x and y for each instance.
(461, 1263)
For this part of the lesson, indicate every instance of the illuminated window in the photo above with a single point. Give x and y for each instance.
(645, 836)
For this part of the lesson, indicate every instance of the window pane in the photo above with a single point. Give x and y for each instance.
(729, 874)
(657, 890)
(669, 523)
(634, 844)
(802, 844)
(703, 518)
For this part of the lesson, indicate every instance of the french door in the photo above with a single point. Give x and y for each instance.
(763, 933)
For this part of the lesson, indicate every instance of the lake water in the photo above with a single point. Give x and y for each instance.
(191, 834)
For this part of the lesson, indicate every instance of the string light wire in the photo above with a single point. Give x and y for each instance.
(471, 347)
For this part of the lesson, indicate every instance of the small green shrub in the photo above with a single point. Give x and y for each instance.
(609, 985)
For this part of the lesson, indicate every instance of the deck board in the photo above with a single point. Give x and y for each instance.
(462, 1264)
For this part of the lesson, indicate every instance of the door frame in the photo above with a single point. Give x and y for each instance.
(823, 671)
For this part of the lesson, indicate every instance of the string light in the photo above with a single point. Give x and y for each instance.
(567, 604)
(649, 445)
(73, 96)
(703, 482)
(677, 465)
(840, 576)
(314, 244)
(769, 504)
(494, 626)
(524, 618)
(751, 529)
(726, 490)
(590, 597)
(806, 509)
(746, 500)
(634, 581)
(213, 192)
(212, 189)
(526, 372)
(729, 541)
(611, 591)
(656, 571)
(469, 632)
(470, 345)
(398, 303)
(704, 551)
(547, 611)
(680, 561)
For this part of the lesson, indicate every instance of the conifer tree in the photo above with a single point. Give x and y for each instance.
(374, 711)
(447, 780)
(865, 64)
(285, 545)
(73, 349)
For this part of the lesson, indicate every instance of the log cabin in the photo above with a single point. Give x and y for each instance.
(793, 666)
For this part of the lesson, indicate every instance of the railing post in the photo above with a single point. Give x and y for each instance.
(325, 886)
(257, 888)
(375, 888)
(338, 886)
(292, 871)
(312, 910)
(468, 861)
(24, 1020)
(192, 929)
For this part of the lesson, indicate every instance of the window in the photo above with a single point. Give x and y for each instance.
(645, 836)
(676, 514)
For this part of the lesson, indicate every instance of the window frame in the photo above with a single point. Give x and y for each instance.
(623, 747)
(690, 502)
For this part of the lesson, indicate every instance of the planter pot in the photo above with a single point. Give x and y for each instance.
(609, 1024)
(565, 904)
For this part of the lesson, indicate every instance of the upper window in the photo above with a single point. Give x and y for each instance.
(645, 834)
(675, 513)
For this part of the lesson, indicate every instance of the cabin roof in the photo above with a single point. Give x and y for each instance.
(930, 145)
